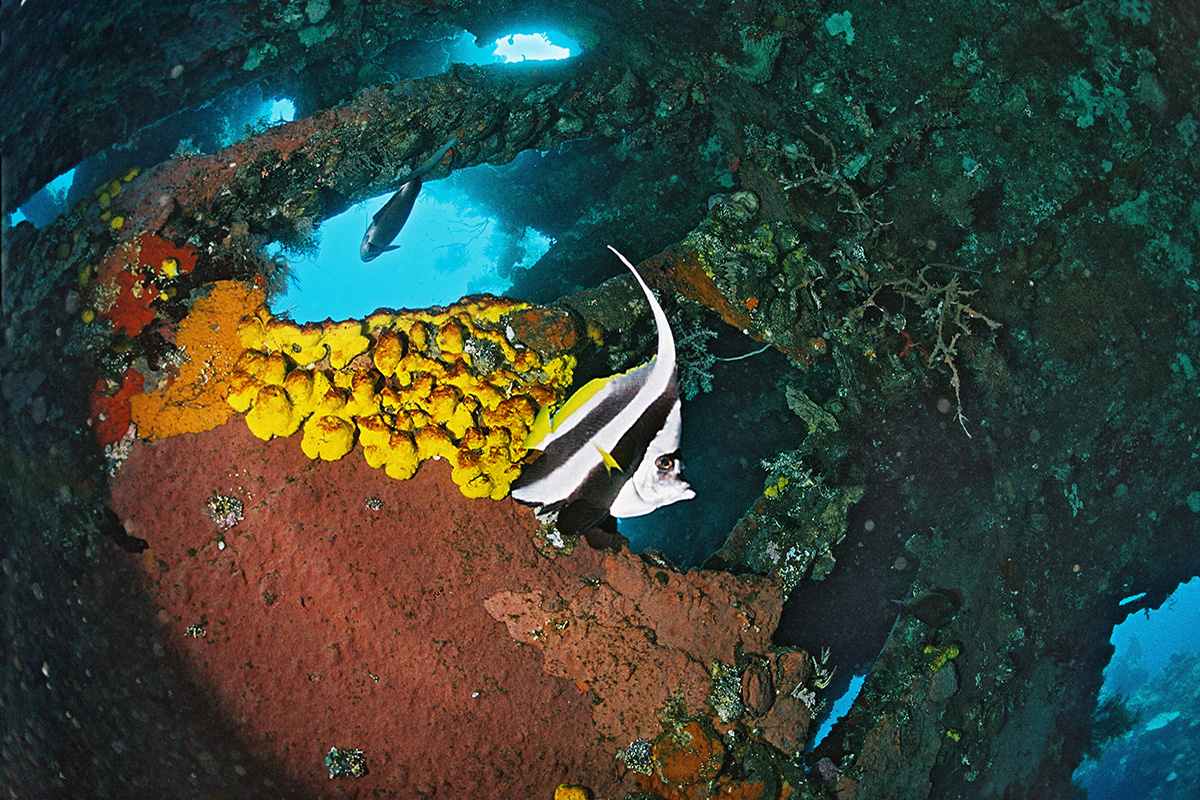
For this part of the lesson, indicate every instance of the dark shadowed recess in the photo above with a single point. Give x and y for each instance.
(726, 435)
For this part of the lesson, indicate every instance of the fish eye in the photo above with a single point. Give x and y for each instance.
(665, 463)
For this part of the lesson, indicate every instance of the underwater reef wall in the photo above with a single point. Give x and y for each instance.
(974, 242)
(132, 64)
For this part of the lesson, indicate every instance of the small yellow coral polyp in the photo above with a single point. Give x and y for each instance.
(477, 488)
(450, 337)
(381, 320)
(403, 385)
(418, 336)
(488, 395)
(267, 367)
(389, 349)
(299, 386)
(252, 332)
(302, 344)
(571, 791)
(440, 403)
(514, 414)
(462, 419)
(319, 389)
(775, 488)
(363, 400)
(243, 388)
(433, 442)
(402, 460)
(421, 387)
(375, 436)
(331, 402)
(467, 471)
(525, 360)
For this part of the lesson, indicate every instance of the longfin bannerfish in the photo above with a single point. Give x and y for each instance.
(613, 447)
(388, 221)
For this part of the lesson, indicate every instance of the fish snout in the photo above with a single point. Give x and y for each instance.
(365, 251)
(668, 485)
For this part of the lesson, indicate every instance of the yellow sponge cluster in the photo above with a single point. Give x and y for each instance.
(410, 385)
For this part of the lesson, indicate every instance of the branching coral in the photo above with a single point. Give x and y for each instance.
(695, 360)
(945, 308)
(406, 385)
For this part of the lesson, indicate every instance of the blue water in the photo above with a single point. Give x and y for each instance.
(198, 127)
(1151, 755)
(839, 709)
(447, 249)
(240, 109)
(1146, 640)
(546, 46)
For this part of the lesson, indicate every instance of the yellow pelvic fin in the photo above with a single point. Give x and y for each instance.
(610, 463)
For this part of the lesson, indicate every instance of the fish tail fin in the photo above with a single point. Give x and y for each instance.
(434, 160)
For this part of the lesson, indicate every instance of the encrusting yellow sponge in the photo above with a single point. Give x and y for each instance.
(345, 341)
(441, 384)
(328, 437)
(272, 413)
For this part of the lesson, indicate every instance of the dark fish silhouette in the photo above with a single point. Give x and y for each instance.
(388, 221)
(936, 608)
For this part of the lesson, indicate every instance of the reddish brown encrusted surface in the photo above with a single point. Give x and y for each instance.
(329, 624)
(638, 635)
(547, 330)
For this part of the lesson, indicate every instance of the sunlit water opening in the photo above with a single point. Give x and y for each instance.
(222, 121)
(1146, 640)
(447, 249)
(203, 129)
(839, 709)
(47, 203)
(1150, 674)
(547, 46)
(278, 110)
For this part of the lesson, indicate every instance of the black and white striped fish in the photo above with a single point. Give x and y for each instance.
(613, 448)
